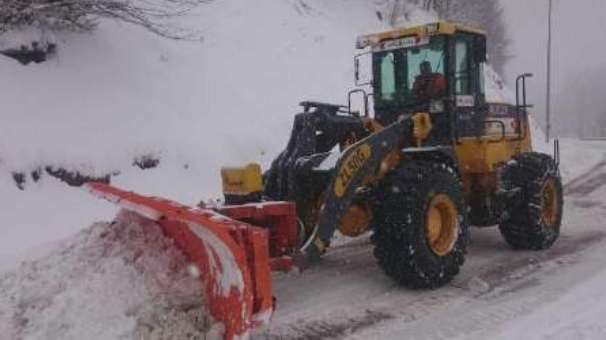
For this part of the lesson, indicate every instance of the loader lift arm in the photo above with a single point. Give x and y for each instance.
(363, 163)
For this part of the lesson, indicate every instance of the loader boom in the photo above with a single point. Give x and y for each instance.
(358, 165)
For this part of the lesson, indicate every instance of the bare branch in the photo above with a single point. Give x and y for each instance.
(83, 15)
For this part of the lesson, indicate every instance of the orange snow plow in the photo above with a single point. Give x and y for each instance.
(232, 257)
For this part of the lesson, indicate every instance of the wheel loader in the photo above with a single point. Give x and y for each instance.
(430, 158)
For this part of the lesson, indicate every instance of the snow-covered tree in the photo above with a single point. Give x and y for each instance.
(487, 14)
(83, 15)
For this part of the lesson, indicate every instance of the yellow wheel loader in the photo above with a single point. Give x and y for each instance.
(434, 158)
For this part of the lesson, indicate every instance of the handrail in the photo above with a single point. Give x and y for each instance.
(523, 106)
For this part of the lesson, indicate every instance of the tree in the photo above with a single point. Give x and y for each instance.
(83, 15)
(487, 14)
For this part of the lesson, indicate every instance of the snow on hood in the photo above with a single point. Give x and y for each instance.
(125, 274)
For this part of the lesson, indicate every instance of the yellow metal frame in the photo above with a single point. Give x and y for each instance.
(437, 28)
(483, 155)
(352, 164)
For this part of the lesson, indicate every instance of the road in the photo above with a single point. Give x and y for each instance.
(348, 297)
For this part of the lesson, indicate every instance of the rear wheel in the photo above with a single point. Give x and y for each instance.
(532, 221)
(420, 225)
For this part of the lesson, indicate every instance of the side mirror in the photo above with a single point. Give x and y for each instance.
(362, 77)
(364, 98)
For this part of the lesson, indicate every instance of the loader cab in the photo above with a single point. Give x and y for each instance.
(436, 68)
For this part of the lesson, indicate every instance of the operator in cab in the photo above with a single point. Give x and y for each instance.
(428, 84)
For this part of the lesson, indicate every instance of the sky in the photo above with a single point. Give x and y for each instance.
(579, 57)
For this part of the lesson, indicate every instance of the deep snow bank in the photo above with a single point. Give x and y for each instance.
(122, 280)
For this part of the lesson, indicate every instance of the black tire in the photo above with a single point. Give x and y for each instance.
(401, 244)
(523, 225)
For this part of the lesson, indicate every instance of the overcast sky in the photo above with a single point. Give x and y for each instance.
(579, 52)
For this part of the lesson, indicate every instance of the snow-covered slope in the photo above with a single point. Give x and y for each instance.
(121, 92)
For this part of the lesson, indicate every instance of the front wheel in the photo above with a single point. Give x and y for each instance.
(420, 225)
(532, 220)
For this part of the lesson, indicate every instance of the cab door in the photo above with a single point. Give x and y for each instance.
(467, 88)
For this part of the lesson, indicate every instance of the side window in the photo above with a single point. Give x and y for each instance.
(462, 69)
(482, 80)
(388, 76)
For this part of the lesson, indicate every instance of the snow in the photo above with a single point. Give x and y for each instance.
(125, 274)
(226, 269)
(496, 90)
(25, 36)
(577, 314)
(98, 89)
(330, 161)
(577, 156)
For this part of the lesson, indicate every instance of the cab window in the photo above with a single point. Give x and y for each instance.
(388, 76)
(433, 54)
(462, 66)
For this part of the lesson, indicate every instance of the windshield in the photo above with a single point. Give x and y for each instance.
(412, 75)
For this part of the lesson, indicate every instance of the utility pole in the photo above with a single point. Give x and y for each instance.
(548, 95)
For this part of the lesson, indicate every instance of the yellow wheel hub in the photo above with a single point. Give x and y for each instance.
(441, 225)
(550, 203)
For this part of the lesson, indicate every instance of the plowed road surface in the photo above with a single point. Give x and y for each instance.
(348, 297)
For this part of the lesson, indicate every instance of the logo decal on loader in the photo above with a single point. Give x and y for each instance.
(354, 162)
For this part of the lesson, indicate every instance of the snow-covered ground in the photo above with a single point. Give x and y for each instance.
(123, 280)
(500, 293)
(121, 92)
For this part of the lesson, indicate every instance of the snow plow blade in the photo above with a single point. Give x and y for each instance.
(231, 258)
